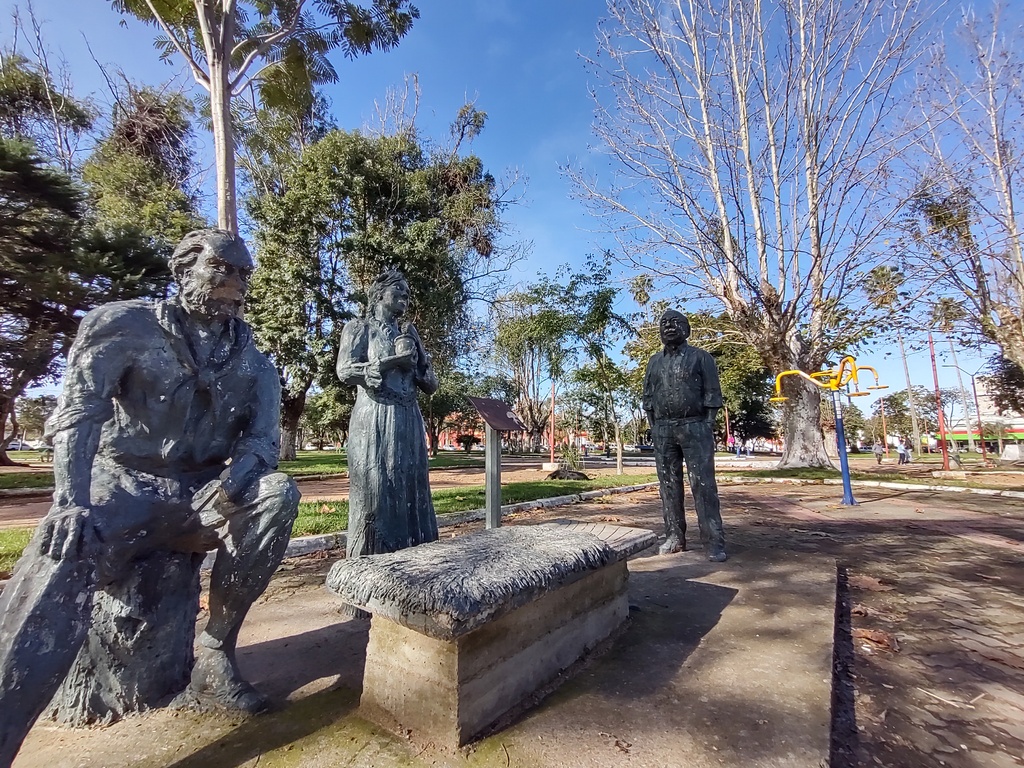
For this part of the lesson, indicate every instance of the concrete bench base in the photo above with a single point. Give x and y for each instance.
(464, 630)
(448, 692)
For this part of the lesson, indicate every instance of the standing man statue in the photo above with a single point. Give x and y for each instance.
(681, 398)
(165, 439)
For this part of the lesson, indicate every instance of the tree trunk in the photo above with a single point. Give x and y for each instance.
(7, 414)
(223, 142)
(432, 437)
(139, 648)
(801, 424)
(292, 406)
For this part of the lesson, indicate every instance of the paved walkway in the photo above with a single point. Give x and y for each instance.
(937, 576)
(934, 587)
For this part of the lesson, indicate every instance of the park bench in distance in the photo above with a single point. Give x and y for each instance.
(465, 629)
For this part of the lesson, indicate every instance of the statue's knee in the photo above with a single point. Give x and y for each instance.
(282, 491)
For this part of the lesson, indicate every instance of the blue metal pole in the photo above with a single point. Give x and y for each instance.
(844, 463)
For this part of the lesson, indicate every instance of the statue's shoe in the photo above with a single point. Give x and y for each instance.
(217, 684)
(717, 556)
(672, 545)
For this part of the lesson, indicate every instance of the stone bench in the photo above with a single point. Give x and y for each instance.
(463, 630)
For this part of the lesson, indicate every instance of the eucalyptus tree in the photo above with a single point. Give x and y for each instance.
(887, 291)
(234, 45)
(600, 328)
(749, 157)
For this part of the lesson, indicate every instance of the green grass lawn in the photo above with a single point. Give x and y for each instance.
(12, 542)
(10, 480)
(332, 516)
(307, 463)
(336, 462)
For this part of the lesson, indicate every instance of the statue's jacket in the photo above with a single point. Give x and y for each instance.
(681, 384)
(134, 369)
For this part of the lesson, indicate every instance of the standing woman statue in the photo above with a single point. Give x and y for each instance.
(389, 501)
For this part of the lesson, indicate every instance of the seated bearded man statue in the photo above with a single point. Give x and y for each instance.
(165, 439)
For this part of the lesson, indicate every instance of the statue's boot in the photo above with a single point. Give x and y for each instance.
(217, 684)
(672, 545)
(717, 555)
(44, 618)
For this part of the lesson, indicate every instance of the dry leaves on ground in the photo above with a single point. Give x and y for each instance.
(870, 583)
(879, 638)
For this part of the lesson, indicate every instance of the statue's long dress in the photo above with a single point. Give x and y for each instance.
(389, 497)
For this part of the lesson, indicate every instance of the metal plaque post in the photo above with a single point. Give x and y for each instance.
(492, 476)
(498, 418)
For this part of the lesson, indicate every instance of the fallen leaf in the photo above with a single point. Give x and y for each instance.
(878, 637)
(870, 583)
(860, 610)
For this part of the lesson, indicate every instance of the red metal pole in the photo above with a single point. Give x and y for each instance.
(938, 406)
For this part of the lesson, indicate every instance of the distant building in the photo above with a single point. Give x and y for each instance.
(998, 427)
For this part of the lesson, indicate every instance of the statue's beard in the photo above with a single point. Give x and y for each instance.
(203, 299)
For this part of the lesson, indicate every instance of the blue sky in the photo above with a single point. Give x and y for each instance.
(519, 60)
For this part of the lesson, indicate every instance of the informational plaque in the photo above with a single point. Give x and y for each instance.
(497, 414)
(499, 418)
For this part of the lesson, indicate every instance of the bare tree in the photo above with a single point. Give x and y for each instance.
(965, 237)
(750, 147)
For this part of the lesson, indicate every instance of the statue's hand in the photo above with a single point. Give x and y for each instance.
(67, 531)
(407, 360)
(238, 475)
(373, 377)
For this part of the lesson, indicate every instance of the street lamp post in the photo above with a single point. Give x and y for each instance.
(977, 408)
(938, 404)
(885, 430)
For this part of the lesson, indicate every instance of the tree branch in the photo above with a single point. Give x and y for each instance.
(197, 72)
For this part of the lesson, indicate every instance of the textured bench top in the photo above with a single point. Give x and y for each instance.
(450, 587)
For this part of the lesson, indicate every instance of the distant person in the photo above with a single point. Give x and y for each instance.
(878, 450)
(908, 454)
(901, 454)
